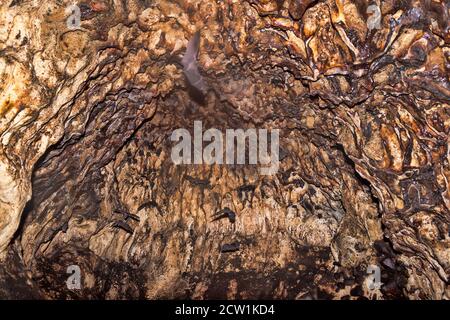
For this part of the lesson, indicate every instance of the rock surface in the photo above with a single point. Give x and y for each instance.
(359, 90)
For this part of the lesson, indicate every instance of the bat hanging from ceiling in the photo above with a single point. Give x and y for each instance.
(190, 64)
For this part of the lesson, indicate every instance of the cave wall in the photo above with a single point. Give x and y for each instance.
(363, 113)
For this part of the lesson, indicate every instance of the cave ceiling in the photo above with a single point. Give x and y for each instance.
(359, 92)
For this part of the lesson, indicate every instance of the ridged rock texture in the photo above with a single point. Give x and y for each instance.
(359, 90)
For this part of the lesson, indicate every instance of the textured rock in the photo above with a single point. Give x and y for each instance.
(362, 104)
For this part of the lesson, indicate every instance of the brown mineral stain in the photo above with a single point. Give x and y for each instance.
(15, 97)
(5, 107)
(74, 43)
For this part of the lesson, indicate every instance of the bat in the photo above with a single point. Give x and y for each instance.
(127, 215)
(150, 204)
(230, 247)
(190, 65)
(122, 225)
(225, 213)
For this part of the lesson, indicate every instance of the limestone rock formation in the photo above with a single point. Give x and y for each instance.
(91, 92)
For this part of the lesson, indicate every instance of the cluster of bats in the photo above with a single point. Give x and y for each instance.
(221, 214)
